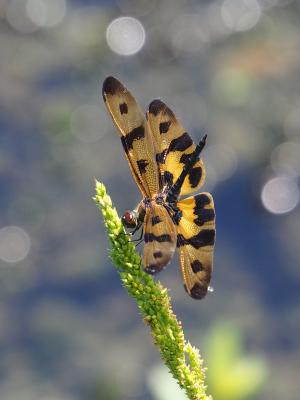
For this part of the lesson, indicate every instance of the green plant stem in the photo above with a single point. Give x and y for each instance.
(182, 359)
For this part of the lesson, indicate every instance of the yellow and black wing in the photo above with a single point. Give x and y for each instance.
(195, 242)
(135, 135)
(160, 239)
(173, 146)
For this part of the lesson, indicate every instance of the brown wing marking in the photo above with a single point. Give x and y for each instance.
(135, 136)
(173, 145)
(195, 242)
(160, 239)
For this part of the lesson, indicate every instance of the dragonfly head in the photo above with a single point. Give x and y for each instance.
(130, 219)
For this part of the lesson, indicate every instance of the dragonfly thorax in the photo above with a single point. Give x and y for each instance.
(148, 202)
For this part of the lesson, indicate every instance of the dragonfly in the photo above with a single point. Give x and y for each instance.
(166, 166)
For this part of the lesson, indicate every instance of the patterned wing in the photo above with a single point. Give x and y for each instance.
(173, 146)
(160, 239)
(195, 242)
(135, 137)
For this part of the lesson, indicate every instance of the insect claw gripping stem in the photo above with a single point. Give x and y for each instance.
(140, 239)
(175, 189)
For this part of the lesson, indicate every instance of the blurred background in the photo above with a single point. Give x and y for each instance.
(68, 330)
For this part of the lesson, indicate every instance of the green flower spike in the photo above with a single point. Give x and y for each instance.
(182, 359)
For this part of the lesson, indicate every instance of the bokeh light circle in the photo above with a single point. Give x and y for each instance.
(125, 35)
(240, 15)
(14, 244)
(46, 13)
(280, 195)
